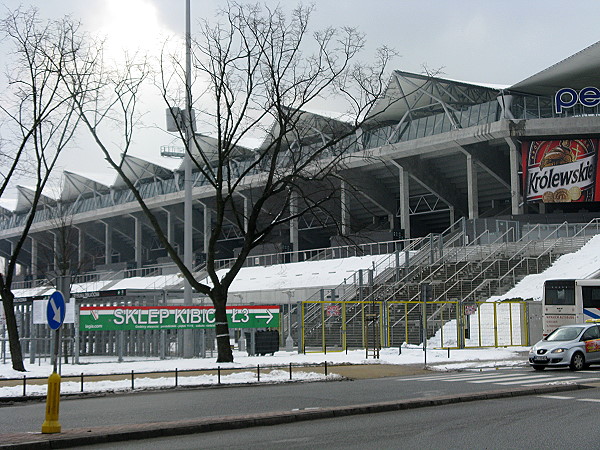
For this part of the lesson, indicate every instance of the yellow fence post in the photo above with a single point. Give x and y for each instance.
(344, 335)
(495, 324)
(323, 328)
(479, 322)
(511, 322)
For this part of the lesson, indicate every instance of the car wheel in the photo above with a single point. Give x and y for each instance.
(538, 367)
(577, 361)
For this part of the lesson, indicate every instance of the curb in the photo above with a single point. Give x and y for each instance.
(99, 435)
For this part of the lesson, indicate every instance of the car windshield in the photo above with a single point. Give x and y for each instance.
(564, 334)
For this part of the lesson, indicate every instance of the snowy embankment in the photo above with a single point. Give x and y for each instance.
(579, 265)
(273, 369)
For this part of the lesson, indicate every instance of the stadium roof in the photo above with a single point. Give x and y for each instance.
(410, 93)
(75, 185)
(136, 168)
(577, 71)
(316, 124)
(26, 196)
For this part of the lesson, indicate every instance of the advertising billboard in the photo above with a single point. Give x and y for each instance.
(101, 318)
(561, 171)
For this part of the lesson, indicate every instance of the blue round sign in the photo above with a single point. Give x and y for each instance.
(56, 309)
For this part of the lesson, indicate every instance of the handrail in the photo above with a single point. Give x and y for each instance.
(561, 240)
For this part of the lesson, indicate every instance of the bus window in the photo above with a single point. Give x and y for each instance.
(591, 296)
(559, 295)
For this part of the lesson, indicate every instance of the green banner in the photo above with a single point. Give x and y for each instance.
(100, 318)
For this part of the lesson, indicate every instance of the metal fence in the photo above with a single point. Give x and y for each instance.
(330, 326)
(36, 341)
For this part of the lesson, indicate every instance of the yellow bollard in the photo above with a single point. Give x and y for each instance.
(51, 424)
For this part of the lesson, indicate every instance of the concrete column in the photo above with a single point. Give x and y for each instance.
(515, 182)
(107, 243)
(138, 241)
(7, 259)
(345, 214)
(294, 225)
(472, 188)
(34, 258)
(170, 227)
(403, 179)
(207, 227)
(246, 213)
(80, 246)
(56, 250)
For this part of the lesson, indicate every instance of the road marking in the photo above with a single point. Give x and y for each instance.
(460, 377)
(488, 377)
(503, 379)
(500, 378)
(556, 397)
(581, 380)
(595, 400)
(537, 381)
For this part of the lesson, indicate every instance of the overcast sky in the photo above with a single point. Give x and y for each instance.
(500, 42)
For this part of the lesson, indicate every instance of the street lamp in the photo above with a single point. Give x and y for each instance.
(176, 119)
(289, 341)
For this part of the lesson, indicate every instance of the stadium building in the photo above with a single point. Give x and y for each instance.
(438, 164)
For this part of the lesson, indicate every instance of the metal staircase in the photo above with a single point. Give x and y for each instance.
(464, 266)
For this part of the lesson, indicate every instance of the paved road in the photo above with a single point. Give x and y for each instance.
(563, 421)
(186, 404)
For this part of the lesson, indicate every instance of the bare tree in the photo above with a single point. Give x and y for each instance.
(59, 253)
(38, 122)
(252, 70)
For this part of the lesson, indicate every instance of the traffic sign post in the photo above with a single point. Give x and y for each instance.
(55, 313)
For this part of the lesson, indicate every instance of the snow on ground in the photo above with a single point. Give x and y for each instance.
(245, 368)
(332, 272)
(580, 264)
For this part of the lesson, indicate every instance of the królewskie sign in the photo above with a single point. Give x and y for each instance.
(100, 318)
(561, 171)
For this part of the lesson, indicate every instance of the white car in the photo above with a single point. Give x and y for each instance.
(576, 346)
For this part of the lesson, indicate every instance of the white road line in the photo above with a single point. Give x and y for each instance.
(500, 379)
(556, 397)
(537, 380)
(459, 377)
(595, 400)
(581, 380)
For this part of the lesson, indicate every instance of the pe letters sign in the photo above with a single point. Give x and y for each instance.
(561, 171)
(100, 318)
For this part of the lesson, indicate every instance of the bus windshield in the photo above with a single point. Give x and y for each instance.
(559, 295)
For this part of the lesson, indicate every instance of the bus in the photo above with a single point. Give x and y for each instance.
(570, 301)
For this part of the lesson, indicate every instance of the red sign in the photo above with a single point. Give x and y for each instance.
(561, 171)
(333, 310)
(470, 309)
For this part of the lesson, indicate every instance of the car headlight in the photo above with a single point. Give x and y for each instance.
(559, 350)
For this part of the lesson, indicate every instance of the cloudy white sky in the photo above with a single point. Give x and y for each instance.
(500, 42)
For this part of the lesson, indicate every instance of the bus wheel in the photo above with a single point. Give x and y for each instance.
(577, 361)
(538, 367)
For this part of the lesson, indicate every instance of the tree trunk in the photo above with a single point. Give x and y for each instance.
(16, 355)
(224, 353)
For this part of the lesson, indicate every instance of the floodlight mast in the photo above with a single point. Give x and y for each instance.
(188, 341)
